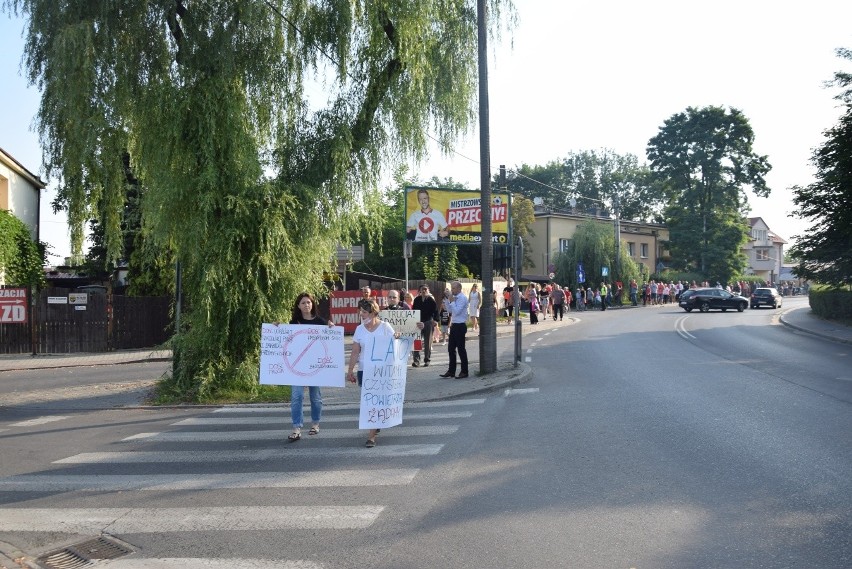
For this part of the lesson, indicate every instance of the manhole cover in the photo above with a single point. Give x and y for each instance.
(84, 554)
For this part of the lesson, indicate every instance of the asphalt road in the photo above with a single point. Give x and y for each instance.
(648, 438)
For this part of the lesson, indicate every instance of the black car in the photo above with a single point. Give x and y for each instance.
(765, 297)
(705, 299)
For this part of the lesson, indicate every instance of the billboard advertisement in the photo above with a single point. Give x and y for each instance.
(443, 216)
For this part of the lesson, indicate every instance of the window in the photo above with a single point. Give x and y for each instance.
(762, 254)
(564, 245)
(631, 249)
(644, 251)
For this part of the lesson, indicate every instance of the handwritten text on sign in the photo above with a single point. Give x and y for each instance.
(383, 388)
(298, 354)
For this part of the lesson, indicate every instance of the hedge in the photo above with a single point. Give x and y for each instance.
(832, 304)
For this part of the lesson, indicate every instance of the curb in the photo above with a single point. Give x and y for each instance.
(8, 554)
(524, 377)
(811, 332)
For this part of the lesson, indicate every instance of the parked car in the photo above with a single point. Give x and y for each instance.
(705, 299)
(765, 297)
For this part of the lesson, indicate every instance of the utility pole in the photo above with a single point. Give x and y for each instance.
(488, 320)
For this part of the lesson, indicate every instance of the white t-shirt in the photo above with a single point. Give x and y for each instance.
(427, 224)
(364, 338)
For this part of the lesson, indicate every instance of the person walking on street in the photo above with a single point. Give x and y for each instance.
(474, 304)
(603, 296)
(305, 312)
(557, 298)
(456, 304)
(428, 308)
(370, 327)
(509, 300)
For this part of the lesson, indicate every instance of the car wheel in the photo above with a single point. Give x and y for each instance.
(688, 309)
(774, 305)
(741, 307)
(705, 307)
(724, 310)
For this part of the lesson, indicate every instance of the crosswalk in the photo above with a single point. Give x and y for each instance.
(131, 478)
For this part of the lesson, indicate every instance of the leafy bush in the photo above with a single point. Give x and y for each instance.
(832, 304)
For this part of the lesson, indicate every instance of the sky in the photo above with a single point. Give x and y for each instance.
(575, 76)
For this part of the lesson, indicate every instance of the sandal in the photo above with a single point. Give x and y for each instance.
(370, 443)
(294, 436)
(314, 430)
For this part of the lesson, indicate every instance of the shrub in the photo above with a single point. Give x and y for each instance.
(832, 304)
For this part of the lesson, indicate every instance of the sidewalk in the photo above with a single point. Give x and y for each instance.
(423, 382)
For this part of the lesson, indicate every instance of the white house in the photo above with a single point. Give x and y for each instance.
(20, 193)
(765, 251)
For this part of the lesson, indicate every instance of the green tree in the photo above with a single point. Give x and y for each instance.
(21, 259)
(595, 180)
(704, 161)
(593, 245)
(252, 184)
(824, 252)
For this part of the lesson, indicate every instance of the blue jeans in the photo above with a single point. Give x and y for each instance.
(297, 394)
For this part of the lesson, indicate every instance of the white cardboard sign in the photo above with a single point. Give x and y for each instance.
(302, 354)
(383, 384)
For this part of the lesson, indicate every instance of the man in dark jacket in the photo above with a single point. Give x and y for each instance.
(428, 308)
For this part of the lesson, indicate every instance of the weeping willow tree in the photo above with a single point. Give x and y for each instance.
(251, 176)
(593, 245)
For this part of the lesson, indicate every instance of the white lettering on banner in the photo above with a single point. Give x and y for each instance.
(344, 302)
(13, 313)
(292, 354)
(13, 293)
(460, 216)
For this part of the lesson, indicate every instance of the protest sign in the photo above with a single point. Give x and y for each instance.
(298, 354)
(383, 385)
(403, 322)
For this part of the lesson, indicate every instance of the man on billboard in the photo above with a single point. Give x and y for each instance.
(426, 224)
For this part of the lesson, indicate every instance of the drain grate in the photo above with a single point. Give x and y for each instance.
(84, 554)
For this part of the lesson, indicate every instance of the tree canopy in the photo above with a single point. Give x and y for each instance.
(704, 161)
(824, 252)
(596, 180)
(248, 179)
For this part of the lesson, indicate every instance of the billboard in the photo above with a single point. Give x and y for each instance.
(443, 216)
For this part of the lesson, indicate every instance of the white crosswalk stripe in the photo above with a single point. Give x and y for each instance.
(187, 459)
(200, 481)
(326, 419)
(279, 434)
(159, 520)
(204, 456)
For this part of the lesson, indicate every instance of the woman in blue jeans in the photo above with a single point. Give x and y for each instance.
(305, 312)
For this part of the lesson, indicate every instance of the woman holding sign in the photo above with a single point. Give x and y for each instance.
(369, 327)
(305, 312)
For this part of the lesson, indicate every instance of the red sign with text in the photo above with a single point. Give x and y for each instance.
(13, 306)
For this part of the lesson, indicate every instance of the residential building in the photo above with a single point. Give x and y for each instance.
(554, 230)
(765, 251)
(20, 192)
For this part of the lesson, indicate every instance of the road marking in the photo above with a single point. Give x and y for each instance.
(39, 421)
(680, 328)
(331, 419)
(285, 453)
(176, 482)
(521, 391)
(210, 563)
(285, 409)
(281, 434)
(528, 359)
(162, 520)
(529, 350)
